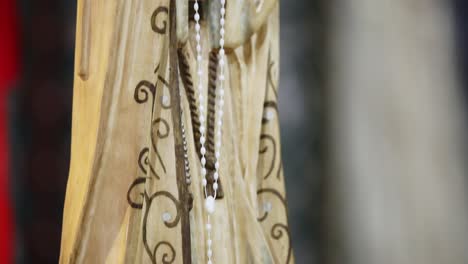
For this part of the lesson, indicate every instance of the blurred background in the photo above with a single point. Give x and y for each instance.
(372, 107)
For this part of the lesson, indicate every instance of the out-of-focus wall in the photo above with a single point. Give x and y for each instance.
(397, 182)
(301, 108)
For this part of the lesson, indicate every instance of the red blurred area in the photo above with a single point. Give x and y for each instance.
(9, 68)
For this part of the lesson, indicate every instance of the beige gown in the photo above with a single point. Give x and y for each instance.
(127, 200)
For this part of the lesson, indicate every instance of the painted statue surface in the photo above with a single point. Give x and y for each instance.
(127, 200)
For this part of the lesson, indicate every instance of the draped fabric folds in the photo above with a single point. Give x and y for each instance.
(125, 202)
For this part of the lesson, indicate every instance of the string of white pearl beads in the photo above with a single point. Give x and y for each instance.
(209, 200)
(221, 78)
(188, 179)
(200, 96)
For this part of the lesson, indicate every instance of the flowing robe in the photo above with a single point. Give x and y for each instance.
(127, 201)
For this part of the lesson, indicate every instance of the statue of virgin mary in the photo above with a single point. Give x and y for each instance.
(136, 193)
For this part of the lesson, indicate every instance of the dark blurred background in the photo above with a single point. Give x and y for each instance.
(39, 116)
(40, 110)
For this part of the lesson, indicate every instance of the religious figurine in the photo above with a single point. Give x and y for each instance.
(175, 137)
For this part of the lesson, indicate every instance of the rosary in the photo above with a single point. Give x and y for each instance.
(209, 198)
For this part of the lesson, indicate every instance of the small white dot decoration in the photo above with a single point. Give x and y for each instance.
(165, 99)
(267, 207)
(166, 217)
(269, 114)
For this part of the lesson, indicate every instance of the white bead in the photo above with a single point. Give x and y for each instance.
(202, 140)
(221, 77)
(223, 2)
(221, 62)
(209, 262)
(221, 92)
(218, 144)
(202, 118)
(200, 96)
(215, 186)
(210, 204)
(221, 112)
(197, 16)
(221, 51)
(217, 154)
(221, 21)
(208, 226)
(197, 27)
(197, 37)
(221, 42)
(223, 11)
(203, 161)
(217, 165)
(203, 150)
(204, 182)
(202, 129)
(216, 175)
(198, 47)
(203, 171)
(202, 109)
(221, 102)
(209, 242)
(199, 58)
(220, 123)
(209, 253)
(195, 6)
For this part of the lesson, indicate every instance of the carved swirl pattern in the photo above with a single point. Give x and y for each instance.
(161, 251)
(278, 230)
(272, 140)
(135, 204)
(277, 234)
(156, 28)
(141, 91)
(143, 163)
(144, 87)
(167, 257)
(162, 131)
